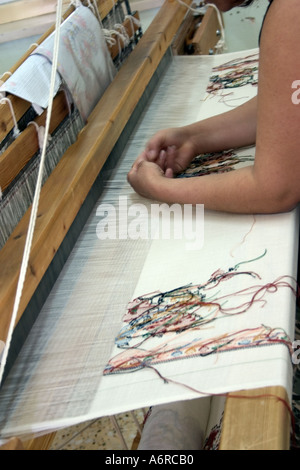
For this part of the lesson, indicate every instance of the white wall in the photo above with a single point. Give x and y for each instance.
(141, 5)
(242, 26)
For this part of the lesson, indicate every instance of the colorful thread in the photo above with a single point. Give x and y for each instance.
(219, 162)
(187, 308)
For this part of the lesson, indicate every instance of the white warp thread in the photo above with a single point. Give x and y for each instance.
(16, 129)
(73, 336)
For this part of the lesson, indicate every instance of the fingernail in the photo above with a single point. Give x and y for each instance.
(169, 173)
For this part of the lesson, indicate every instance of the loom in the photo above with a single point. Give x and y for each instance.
(89, 169)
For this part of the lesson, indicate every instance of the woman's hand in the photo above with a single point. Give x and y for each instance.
(145, 177)
(167, 153)
(171, 149)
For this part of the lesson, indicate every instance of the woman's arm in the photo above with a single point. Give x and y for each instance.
(272, 184)
(175, 148)
(233, 129)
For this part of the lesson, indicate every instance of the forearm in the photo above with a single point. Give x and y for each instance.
(239, 191)
(233, 129)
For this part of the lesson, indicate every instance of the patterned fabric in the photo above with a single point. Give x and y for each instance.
(84, 60)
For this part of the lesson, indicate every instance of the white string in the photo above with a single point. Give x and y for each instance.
(16, 129)
(94, 8)
(97, 11)
(108, 37)
(220, 46)
(75, 3)
(133, 21)
(122, 33)
(35, 203)
(40, 130)
(91, 7)
(114, 11)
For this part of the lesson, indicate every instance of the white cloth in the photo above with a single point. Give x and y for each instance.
(84, 65)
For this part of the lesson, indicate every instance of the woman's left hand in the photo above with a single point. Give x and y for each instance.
(145, 177)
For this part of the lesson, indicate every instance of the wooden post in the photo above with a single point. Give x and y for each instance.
(257, 420)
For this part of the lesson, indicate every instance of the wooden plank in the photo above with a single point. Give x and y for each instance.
(206, 37)
(26, 145)
(142, 5)
(23, 9)
(185, 31)
(67, 187)
(257, 420)
(12, 444)
(26, 28)
(35, 443)
(39, 443)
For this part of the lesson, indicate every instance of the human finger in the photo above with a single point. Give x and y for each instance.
(141, 158)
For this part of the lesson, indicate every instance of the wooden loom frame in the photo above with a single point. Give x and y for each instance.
(266, 420)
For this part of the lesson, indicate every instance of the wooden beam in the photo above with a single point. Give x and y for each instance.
(39, 443)
(185, 31)
(24, 9)
(26, 28)
(206, 37)
(19, 153)
(12, 444)
(70, 182)
(35, 443)
(257, 420)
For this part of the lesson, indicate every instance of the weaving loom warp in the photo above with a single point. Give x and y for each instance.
(58, 380)
(83, 53)
(85, 71)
